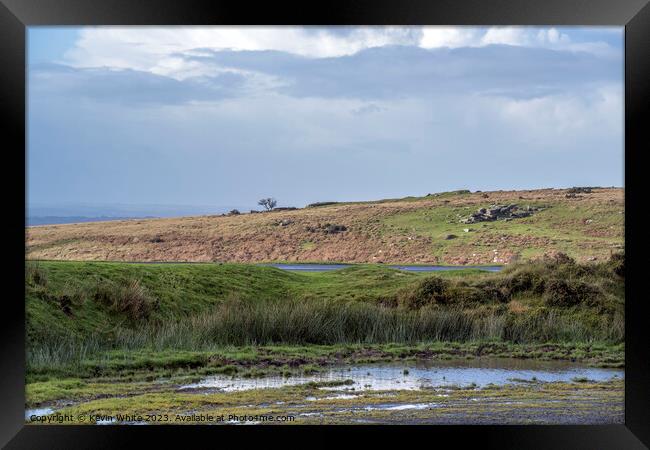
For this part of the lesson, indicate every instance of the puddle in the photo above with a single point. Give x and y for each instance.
(309, 267)
(332, 397)
(38, 412)
(400, 406)
(340, 397)
(443, 268)
(478, 372)
(109, 421)
(408, 268)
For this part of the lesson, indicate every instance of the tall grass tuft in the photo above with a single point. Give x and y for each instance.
(326, 322)
(130, 298)
(35, 274)
(62, 354)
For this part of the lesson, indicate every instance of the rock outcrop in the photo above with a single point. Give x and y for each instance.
(500, 212)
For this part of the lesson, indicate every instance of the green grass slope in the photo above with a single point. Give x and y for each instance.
(241, 304)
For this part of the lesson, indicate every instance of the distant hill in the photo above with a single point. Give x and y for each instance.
(459, 227)
(53, 220)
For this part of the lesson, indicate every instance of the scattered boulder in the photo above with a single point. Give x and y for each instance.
(156, 240)
(450, 236)
(333, 228)
(284, 222)
(579, 190)
(500, 212)
(234, 212)
(328, 228)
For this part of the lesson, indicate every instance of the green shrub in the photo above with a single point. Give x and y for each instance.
(560, 293)
(523, 278)
(492, 292)
(565, 293)
(430, 291)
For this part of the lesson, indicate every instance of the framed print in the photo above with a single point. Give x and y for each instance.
(362, 217)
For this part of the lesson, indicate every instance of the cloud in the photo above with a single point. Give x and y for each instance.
(155, 49)
(369, 108)
(398, 72)
(149, 48)
(304, 149)
(438, 36)
(380, 73)
(567, 117)
(129, 86)
(203, 115)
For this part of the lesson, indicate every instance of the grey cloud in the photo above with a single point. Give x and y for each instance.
(130, 86)
(367, 109)
(400, 72)
(382, 73)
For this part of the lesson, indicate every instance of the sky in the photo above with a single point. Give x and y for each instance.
(223, 116)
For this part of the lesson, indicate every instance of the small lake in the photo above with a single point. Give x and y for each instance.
(409, 268)
(479, 372)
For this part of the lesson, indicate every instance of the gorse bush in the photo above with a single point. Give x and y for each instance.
(560, 292)
(432, 290)
(559, 281)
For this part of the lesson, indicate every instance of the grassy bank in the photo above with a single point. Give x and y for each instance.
(76, 311)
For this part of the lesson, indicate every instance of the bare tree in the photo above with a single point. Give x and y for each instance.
(268, 203)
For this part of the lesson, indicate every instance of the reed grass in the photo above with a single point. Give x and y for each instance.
(559, 301)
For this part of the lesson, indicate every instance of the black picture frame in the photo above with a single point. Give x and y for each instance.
(16, 15)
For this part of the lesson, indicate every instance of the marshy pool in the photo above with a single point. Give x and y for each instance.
(469, 391)
(408, 268)
(479, 372)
